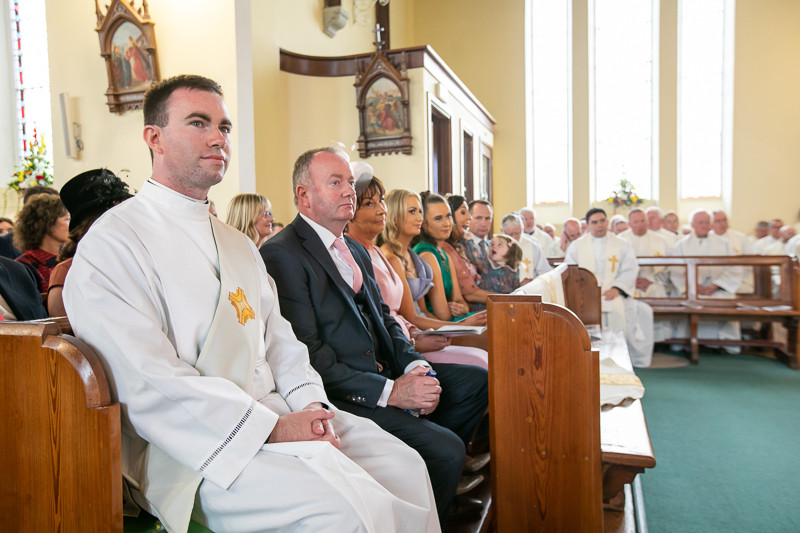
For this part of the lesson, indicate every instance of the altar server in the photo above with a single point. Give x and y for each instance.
(224, 419)
(613, 262)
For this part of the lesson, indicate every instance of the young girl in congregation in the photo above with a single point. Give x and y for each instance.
(504, 257)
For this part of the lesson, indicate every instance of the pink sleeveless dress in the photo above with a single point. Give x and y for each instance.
(391, 287)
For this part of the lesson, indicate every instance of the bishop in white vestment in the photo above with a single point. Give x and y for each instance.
(181, 311)
(613, 262)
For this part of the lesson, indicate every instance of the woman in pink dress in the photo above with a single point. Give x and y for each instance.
(368, 222)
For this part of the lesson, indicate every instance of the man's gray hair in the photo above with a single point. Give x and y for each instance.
(697, 212)
(511, 218)
(301, 174)
(635, 210)
(530, 210)
(656, 209)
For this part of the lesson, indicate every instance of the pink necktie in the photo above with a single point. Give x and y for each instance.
(358, 278)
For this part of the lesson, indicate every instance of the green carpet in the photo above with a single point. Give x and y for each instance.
(726, 437)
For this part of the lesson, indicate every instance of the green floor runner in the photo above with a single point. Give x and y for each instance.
(726, 436)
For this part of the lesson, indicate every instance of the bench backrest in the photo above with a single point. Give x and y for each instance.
(763, 267)
(60, 452)
(544, 400)
(582, 294)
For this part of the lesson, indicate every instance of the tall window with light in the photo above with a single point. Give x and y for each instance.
(705, 97)
(623, 95)
(551, 100)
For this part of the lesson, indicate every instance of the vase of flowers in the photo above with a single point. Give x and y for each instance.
(625, 196)
(34, 170)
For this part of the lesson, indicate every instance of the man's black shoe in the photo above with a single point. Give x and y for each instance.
(465, 508)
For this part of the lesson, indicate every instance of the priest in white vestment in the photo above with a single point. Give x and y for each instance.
(571, 230)
(534, 261)
(528, 215)
(652, 281)
(224, 420)
(655, 223)
(712, 282)
(772, 243)
(739, 244)
(613, 262)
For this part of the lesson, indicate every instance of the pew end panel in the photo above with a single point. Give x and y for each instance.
(61, 452)
(582, 293)
(544, 395)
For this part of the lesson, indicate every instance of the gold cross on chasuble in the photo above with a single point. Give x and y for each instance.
(243, 310)
(613, 260)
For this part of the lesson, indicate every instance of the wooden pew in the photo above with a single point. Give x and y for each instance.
(544, 399)
(60, 454)
(744, 307)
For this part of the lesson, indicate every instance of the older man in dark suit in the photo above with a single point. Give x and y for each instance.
(327, 291)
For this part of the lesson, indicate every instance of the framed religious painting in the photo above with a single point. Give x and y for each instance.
(128, 45)
(382, 102)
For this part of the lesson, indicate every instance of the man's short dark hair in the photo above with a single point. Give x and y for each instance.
(155, 99)
(481, 202)
(594, 211)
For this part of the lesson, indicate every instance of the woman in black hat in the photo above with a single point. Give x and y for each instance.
(86, 196)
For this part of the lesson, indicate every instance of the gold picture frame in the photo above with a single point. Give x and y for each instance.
(128, 45)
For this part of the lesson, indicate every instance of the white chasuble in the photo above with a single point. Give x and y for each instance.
(613, 263)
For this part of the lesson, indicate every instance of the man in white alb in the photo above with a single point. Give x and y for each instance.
(655, 223)
(529, 227)
(739, 244)
(772, 243)
(712, 282)
(571, 231)
(613, 262)
(224, 419)
(652, 282)
(534, 262)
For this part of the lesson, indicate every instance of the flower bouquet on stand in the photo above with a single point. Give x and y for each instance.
(34, 170)
(625, 196)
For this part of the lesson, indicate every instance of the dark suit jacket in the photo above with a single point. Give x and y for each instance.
(320, 305)
(7, 248)
(20, 290)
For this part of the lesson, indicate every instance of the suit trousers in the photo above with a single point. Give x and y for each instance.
(440, 437)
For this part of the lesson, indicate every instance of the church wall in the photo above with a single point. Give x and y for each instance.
(190, 36)
(483, 42)
(766, 159)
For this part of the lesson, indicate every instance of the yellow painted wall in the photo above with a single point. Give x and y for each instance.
(766, 140)
(115, 141)
(483, 42)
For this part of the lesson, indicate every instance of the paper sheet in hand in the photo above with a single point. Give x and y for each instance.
(453, 330)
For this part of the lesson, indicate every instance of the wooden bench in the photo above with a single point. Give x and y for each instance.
(60, 453)
(766, 303)
(555, 458)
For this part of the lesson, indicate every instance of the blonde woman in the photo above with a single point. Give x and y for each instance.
(252, 215)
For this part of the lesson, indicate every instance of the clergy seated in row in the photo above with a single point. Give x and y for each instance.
(534, 261)
(655, 222)
(528, 215)
(772, 243)
(739, 244)
(652, 281)
(618, 224)
(613, 262)
(759, 232)
(712, 282)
